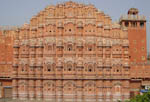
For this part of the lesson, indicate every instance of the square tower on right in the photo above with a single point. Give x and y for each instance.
(136, 25)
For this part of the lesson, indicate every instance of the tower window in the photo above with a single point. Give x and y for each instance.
(90, 48)
(143, 48)
(69, 47)
(134, 41)
(49, 68)
(142, 24)
(69, 30)
(49, 48)
(90, 70)
(143, 57)
(126, 24)
(134, 24)
(135, 50)
(69, 67)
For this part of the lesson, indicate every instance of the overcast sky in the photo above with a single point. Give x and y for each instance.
(17, 12)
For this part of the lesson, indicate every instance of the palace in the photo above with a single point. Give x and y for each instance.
(72, 52)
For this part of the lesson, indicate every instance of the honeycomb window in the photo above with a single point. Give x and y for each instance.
(142, 24)
(69, 67)
(69, 48)
(69, 30)
(134, 24)
(48, 68)
(134, 60)
(90, 68)
(143, 48)
(134, 41)
(143, 58)
(126, 24)
(49, 48)
(135, 50)
(90, 48)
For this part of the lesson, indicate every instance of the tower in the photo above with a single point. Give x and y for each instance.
(136, 25)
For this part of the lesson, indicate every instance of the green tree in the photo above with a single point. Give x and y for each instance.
(141, 98)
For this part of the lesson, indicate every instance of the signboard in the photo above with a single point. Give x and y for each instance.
(147, 87)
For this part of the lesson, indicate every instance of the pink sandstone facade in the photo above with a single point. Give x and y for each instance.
(73, 52)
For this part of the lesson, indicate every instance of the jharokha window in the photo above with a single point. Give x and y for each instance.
(22, 68)
(49, 68)
(90, 68)
(49, 47)
(69, 67)
(69, 47)
(89, 48)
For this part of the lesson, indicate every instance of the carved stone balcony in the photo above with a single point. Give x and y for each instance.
(33, 42)
(24, 42)
(89, 52)
(107, 64)
(59, 65)
(126, 64)
(133, 17)
(125, 44)
(80, 25)
(32, 63)
(100, 64)
(60, 25)
(69, 52)
(106, 27)
(39, 62)
(107, 45)
(99, 25)
(79, 44)
(39, 43)
(32, 52)
(15, 64)
(126, 52)
(49, 52)
(24, 53)
(80, 64)
(16, 44)
(59, 44)
(41, 25)
(48, 60)
(23, 61)
(15, 52)
(49, 40)
(117, 52)
(39, 52)
(34, 28)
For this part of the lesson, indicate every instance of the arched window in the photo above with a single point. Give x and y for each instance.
(90, 68)
(118, 89)
(69, 47)
(23, 68)
(69, 86)
(90, 48)
(49, 86)
(69, 67)
(49, 47)
(49, 68)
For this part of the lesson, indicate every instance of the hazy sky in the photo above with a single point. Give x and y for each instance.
(17, 12)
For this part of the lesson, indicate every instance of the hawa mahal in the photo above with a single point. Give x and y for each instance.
(73, 52)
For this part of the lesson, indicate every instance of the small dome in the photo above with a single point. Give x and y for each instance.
(133, 11)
